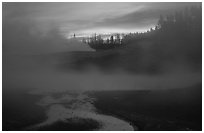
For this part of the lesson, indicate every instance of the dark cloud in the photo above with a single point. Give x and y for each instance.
(132, 20)
(144, 18)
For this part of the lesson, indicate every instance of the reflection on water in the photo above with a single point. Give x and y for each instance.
(41, 77)
(67, 107)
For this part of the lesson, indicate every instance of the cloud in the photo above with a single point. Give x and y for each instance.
(78, 17)
(28, 37)
(143, 17)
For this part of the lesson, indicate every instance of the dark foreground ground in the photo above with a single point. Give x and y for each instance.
(20, 112)
(175, 109)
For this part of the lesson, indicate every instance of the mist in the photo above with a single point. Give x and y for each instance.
(31, 56)
(57, 76)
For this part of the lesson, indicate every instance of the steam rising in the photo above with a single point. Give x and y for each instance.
(35, 49)
(29, 44)
(29, 62)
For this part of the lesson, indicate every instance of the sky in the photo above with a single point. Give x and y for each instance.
(88, 18)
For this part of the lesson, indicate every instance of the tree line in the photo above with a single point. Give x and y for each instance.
(185, 25)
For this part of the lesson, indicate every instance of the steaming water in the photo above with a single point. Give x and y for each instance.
(27, 36)
(80, 106)
(40, 72)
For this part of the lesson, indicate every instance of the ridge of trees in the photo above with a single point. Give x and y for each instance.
(185, 25)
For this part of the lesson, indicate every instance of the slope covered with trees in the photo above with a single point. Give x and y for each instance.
(185, 25)
(176, 41)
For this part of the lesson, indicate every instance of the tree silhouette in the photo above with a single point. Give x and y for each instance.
(184, 26)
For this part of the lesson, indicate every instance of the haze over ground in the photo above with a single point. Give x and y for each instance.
(52, 81)
(41, 28)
